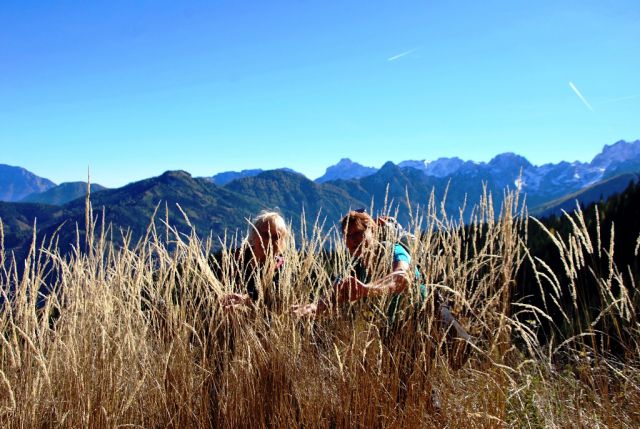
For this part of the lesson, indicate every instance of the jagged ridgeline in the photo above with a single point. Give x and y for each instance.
(217, 210)
(222, 203)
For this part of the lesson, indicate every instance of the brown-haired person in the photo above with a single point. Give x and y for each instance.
(373, 276)
(368, 277)
(255, 268)
(380, 268)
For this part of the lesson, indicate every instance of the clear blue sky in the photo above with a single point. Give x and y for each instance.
(134, 88)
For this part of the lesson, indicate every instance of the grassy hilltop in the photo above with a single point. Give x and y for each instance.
(115, 345)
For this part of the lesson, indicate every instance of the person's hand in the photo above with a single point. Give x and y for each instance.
(305, 310)
(350, 289)
(235, 300)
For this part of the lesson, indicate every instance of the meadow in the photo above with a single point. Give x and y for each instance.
(135, 336)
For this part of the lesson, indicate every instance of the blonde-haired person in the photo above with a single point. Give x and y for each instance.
(252, 273)
(267, 233)
(255, 267)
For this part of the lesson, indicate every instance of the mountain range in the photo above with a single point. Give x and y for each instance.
(542, 183)
(215, 205)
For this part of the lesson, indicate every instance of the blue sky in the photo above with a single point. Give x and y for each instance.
(131, 89)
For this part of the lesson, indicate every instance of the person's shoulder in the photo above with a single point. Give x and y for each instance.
(400, 254)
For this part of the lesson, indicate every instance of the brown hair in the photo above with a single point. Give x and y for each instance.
(360, 220)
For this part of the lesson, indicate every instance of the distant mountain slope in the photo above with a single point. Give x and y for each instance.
(441, 167)
(18, 220)
(208, 207)
(225, 177)
(63, 193)
(394, 185)
(596, 193)
(293, 193)
(16, 183)
(229, 176)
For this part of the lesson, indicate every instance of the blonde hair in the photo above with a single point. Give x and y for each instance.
(264, 219)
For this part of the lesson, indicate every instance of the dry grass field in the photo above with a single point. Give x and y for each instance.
(135, 336)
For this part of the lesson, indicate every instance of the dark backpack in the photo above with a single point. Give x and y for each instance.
(392, 230)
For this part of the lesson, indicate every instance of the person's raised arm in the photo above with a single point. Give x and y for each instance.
(397, 281)
(351, 289)
(393, 283)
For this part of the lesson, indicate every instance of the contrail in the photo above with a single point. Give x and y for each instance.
(580, 96)
(616, 100)
(395, 57)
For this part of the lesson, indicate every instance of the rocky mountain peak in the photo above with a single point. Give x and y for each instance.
(620, 151)
(345, 169)
(509, 159)
(441, 167)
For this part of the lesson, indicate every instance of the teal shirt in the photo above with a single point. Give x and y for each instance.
(400, 254)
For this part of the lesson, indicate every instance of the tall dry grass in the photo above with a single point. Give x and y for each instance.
(135, 336)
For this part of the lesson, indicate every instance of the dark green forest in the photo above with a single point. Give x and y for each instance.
(613, 229)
